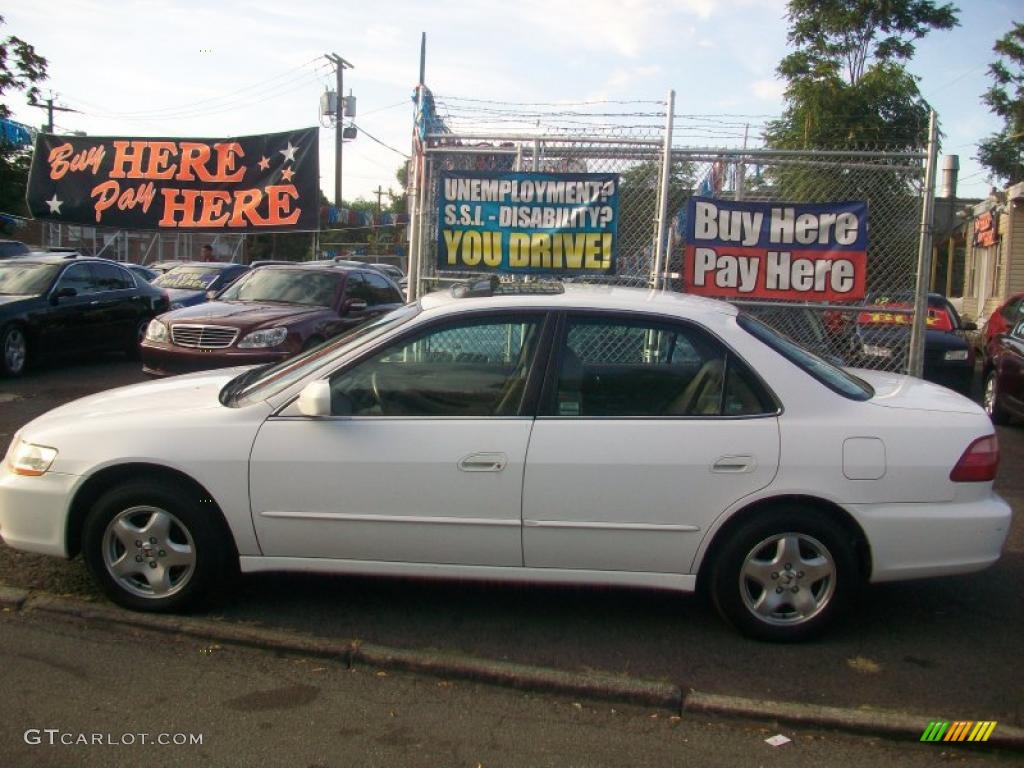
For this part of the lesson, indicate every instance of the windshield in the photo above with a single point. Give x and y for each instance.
(832, 377)
(267, 381)
(289, 286)
(189, 278)
(18, 279)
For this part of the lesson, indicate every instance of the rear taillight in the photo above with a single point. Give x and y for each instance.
(979, 462)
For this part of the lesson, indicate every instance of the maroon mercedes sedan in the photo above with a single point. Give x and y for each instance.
(269, 314)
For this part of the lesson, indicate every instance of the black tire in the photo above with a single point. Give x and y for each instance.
(134, 347)
(990, 399)
(796, 603)
(196, 546)
(13, 350)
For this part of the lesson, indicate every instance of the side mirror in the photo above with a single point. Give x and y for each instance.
(353, 305)
(315, 399)
(211, 295)
(64, 293)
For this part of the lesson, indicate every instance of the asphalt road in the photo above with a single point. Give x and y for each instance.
(68, 682)
(949, 647)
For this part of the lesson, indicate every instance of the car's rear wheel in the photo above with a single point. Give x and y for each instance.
(152, 546)
(784, 576)
(13, 350)
(990, 399)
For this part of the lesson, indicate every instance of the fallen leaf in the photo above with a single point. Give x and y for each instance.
(861, 664)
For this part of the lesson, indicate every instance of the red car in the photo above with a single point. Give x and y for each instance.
(267, 315)
(1004, 374)
(1005, 317)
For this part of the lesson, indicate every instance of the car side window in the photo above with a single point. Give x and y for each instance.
(639, 368)
(356, 287)
(110, 277)
(383, 291)
(470, 368)
(79, 277)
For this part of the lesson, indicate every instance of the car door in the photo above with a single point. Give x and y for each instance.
(118, 303)
(422, 461)
(356, 290)
(647, 432)
(72, 322)
(1011, 369)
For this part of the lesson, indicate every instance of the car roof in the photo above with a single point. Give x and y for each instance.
(204, 264)
(306, 267)
(584, 296)
(48, 257)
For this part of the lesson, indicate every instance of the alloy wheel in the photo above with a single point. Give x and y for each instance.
(787, 578)
(149, 552)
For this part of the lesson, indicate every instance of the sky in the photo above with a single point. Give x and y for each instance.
(229, 68)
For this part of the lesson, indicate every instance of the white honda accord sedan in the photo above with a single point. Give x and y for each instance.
(585, 435)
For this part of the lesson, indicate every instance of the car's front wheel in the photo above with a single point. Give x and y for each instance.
(152, 546)
(990, 399)
(784, 576)
(13, 350)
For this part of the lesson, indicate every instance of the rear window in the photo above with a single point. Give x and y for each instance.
(834, 378)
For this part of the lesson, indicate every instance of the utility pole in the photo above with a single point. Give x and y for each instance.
(379, 192)
(340, 65)
(50, 109)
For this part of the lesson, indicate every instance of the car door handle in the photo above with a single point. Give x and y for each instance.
(484, 462)
(734, 464)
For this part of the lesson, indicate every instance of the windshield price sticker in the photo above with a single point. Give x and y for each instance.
(563, 223)
(738, 249)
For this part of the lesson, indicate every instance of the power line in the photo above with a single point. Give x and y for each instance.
(386, 146)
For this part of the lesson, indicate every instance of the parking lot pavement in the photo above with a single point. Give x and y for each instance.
(948, 646)
(68, 681)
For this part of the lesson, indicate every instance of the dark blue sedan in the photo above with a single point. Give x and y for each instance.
(193, 283)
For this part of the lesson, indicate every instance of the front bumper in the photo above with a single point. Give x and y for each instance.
(168, 360)
(911, 541)
(34, 511)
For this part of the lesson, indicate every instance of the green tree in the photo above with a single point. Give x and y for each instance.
(1003, 152)
(21, 68)
(847, 87)
(846, 81)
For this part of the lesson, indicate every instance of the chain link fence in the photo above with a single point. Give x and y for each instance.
(891, 183)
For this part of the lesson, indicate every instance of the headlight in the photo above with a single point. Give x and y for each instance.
(156, 331)
(269, 337)
(28, 459)
(872, 350)
(955, 354)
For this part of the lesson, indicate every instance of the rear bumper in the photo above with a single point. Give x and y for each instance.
(911, 541)
(167, 360)
(34, 511)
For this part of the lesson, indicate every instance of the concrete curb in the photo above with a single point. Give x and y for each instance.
(594, 685)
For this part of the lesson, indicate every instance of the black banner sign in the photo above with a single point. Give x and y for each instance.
(242, 184)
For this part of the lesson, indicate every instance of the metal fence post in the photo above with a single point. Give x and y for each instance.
(666, 174)
(924, 255)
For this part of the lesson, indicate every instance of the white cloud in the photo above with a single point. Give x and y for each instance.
(768, 90)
